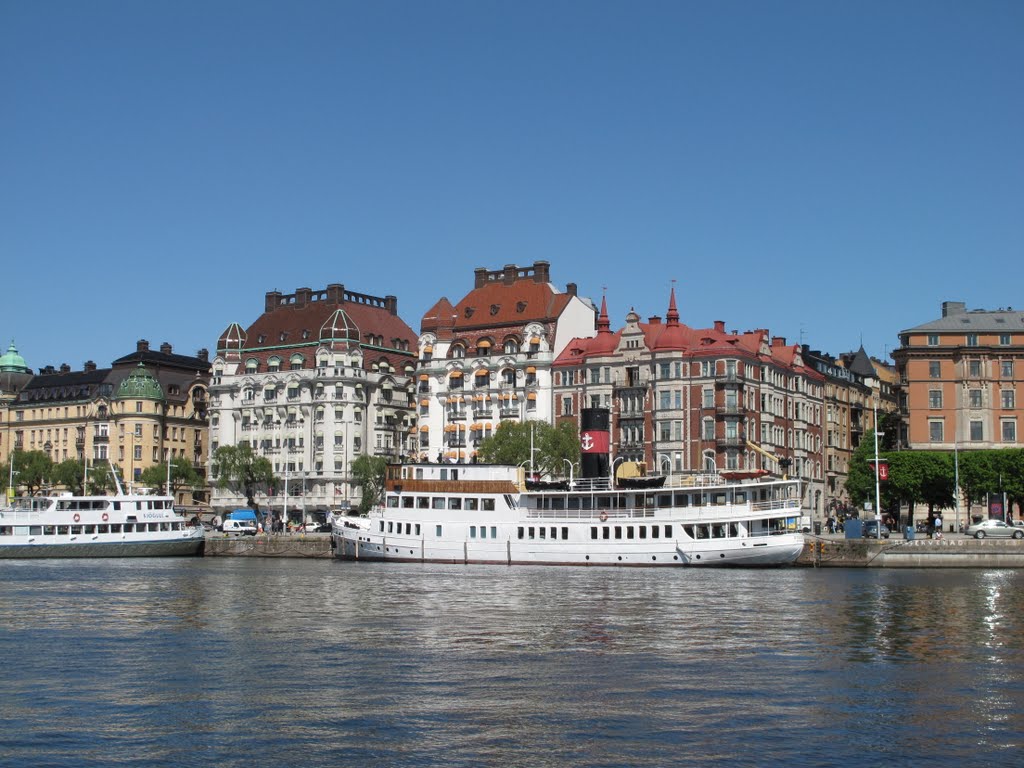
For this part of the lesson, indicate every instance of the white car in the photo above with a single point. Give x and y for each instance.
(995, 529)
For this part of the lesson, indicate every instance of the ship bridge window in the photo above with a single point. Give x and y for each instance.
(643, 531)
(472, 505)
(494, 531)
(408, 502)
(629, 531)
(487, 505)
(654, 531)
(604, 502)
(717, 531)
(593, 532)
(665, 500)
(618, 531)
(472, 531)
(741, 497)
(587, 502)
(49, 530)
(558, 502)
(438, 502)
(682, 499)
(565, 533)
(115, 527)
(393, 502)
(605, 532)
(668, 531)
(422, 502)
(454, 503)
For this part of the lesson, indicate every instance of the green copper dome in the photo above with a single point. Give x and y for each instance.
(140, 385)
(12, 362)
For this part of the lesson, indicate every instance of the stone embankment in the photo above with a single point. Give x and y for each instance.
(269, 545)
(952, 551)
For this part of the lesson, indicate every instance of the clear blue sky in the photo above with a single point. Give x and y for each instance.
(832, 171)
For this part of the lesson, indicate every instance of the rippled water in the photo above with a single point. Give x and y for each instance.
(300, 662)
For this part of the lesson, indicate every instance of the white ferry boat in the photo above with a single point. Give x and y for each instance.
(474, 513)
(123, 525)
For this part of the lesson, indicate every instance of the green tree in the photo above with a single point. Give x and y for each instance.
(69, 474)
(368, 474)
(183, 475)
(239, 469)
(979, 475)
(32, 470)
(553, 446)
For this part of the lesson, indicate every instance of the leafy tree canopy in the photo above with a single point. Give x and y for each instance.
(182, 473)
(238, 468)
(368, 475)
(553, 446)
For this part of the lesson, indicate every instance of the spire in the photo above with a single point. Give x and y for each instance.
(672, 317)
(603, 324)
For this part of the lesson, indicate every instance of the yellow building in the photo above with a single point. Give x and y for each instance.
(148, 408)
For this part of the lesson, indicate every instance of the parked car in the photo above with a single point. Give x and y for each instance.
(870, 530)
(240, 527)
(995, 528)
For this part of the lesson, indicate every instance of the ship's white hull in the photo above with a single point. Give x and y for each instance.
(782, 549)
(181, 547)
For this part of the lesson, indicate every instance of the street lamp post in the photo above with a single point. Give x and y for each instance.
(878, 487)
(570, 471)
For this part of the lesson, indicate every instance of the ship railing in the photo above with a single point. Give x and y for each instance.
(711, 514)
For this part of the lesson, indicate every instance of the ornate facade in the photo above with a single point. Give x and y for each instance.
(686, 400)
(488, 358)
(319, 379)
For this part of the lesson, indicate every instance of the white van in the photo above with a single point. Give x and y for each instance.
(239, 527)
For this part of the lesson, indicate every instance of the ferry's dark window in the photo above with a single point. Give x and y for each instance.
(407, 502)
(390, 527)
(629, 531)
(438, 502)
(92, 529)
(558, 502)
(393, 502)
(76, 530)
(483, 531)
(553, 533)
(454, 503)
(643, 531)
(117, 506)
(472, 504)
(408, 529)
(687, 529)
(530, 532)
(593, 532)
(718, 531)
(586, 503)
(604, 502)
(62, 530)
(668, 531)
(565, 533)
(49, 530)
(494, 531)
(541, 532)
(734, 530)
(381, 523)
(618, 531)
(487, 505)
(574, 502)
(417, 529)
(654, 531)
(605, 532)
(437, 531)
(422, 502)
(102, 528)
(682, 499)
(472, 531)
(35, 530)
(620, 502)
(521, 531)
(741, 497)
(665, 500)
(115, 527)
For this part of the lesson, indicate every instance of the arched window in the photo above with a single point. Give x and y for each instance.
(458, 351)
(274, 364)
(511, 346)
(296, 362)
(252, 365)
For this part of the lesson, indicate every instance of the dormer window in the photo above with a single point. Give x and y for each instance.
(495, 308)
(520, 307)
(469, 311)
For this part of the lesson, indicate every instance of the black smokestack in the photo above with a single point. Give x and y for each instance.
(594, 442)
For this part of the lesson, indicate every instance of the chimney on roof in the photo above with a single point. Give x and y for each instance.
(165, 348)
(203, 354)
(65, 368)
(510, 272)
(570, 288)
(541, 272)
(953, 308)
(142, 346)
(391, 304)
(720, 326)
(272, 301)
(778, 341)
(89, 366)
(479, 277)
(303, 296)
(335, 293)
(654, 319)
(47, 369)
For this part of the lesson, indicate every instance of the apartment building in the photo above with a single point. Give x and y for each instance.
(960, 379)
(487, 358)
(319, 379)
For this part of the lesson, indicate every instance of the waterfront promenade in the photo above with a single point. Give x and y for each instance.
(954, 550)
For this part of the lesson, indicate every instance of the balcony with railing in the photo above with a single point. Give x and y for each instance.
(730, 441)
(730, 409)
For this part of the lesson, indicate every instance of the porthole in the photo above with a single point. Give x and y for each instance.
(620, 557)
(654, 557)
(697, 558)
(588, 557)
(722, 554)
(675, 557)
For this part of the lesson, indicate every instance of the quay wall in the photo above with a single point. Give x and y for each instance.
(951, 552)
(287, 545)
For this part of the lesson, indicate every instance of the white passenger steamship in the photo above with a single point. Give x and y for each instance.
(123, 525)
(477, 513)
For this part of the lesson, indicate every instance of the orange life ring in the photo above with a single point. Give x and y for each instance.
(77, 517)
(105, 517)
(604, 517)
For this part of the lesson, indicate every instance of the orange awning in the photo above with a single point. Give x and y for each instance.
(428, 349)
(484, 343)
(424, 377)
(531, 369)
(424, 402)
(424, 428)
(456, 375)
(482, 372)
(535, 340)
(532, 396)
